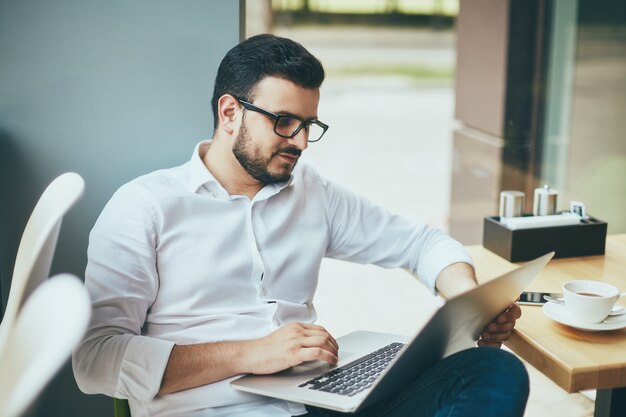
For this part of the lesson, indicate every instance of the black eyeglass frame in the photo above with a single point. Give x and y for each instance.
(277, 117)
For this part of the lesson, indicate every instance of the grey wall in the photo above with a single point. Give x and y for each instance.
(111, 90)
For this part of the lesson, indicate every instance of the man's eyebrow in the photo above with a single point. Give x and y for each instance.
(290, 114)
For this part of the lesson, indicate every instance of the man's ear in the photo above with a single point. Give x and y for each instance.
(227, 111)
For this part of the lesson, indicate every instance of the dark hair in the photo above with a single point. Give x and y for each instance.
(264, 56)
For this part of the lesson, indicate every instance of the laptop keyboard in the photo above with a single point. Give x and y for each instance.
(356, 376)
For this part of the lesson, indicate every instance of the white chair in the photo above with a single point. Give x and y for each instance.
(36, 249)
(49, 325)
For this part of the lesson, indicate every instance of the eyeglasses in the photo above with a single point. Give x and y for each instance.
(287, 126)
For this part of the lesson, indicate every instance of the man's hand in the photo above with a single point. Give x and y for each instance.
(289, 346)
(199, 364)
(499, 330)
(458, 278)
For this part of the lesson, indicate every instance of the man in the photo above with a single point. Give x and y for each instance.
(207, 271)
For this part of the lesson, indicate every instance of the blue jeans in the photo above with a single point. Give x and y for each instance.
(481, 382)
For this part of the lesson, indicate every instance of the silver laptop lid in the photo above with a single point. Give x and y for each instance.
(456, 326)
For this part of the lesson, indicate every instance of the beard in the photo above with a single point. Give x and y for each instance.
(256, 165)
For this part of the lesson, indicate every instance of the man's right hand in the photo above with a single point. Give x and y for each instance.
(193, 365)
(291, 345)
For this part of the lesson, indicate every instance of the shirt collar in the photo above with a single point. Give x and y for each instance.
(201, 178)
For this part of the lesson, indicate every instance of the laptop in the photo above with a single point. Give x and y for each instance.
(374, 365)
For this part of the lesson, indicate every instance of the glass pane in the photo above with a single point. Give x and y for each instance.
(584, 153)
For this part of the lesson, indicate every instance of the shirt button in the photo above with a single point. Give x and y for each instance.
(277, 322)
(263, 292)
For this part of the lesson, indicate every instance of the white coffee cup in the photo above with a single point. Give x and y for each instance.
(590, 301)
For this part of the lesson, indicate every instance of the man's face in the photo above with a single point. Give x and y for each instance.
(266, 156)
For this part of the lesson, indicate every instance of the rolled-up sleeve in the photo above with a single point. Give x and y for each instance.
(364, 232)
(121, 277)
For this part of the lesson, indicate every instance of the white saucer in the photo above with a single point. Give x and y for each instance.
(559, 313)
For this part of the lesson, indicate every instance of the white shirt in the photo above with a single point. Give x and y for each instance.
(174, 259)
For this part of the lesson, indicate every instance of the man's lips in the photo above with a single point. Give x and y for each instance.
(289, 154)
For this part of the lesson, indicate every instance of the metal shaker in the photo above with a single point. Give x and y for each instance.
(511, 203)
(544, 203)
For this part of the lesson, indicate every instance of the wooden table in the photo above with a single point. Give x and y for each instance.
(574, 359)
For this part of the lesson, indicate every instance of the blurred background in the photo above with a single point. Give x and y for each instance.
(435, 106)
(388, 96)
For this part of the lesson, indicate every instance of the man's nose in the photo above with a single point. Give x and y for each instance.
(301, 139)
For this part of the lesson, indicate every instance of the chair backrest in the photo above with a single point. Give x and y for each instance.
(49, 325)
(36, 249)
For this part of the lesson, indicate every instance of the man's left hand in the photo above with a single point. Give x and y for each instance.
(499, 330)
